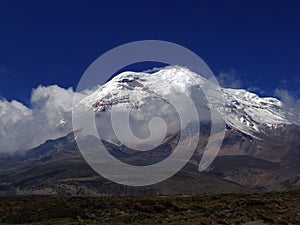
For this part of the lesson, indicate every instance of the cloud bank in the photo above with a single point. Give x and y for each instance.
(48, 117)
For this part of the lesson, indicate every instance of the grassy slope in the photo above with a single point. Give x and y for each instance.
(271, 208)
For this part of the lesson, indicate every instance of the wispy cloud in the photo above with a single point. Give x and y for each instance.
(232, 79)
(291, 104)
(283, 81)
(256, 89)
(3, 69)
(297, 80)
(229, 79)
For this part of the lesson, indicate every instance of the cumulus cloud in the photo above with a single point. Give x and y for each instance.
(48, 117)
(291, 104)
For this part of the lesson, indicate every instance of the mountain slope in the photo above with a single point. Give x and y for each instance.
(57, 168)
(260, 150)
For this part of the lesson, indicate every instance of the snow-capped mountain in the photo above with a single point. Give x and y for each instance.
(260, 149)
(240, 109)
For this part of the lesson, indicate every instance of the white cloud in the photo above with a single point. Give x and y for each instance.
(49, 117)
(291, 105)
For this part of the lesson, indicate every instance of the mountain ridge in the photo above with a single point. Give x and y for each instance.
(242, 110)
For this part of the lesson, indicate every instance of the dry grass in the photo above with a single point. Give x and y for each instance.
(270, 208)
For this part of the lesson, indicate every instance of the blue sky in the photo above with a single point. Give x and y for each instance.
(254, 44)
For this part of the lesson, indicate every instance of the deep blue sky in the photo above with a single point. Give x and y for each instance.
(53, 42)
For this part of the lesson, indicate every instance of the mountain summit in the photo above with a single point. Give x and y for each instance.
(241, 110)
